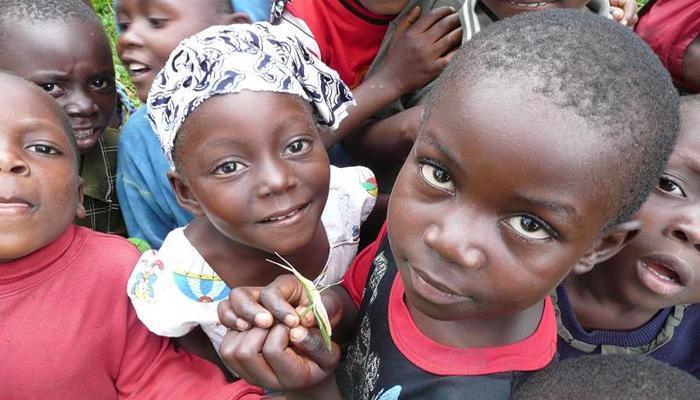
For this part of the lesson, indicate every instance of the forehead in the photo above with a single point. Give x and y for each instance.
(68, 47)
(687, 149)
(22, 102)
(179, 6)
(517, 140)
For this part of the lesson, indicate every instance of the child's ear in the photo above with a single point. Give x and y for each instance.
(80, 211)
(609, 245)
(237, 18)
(184, 195)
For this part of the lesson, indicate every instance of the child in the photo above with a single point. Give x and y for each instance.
(60, 46)
(611, 377)
(641, 300)
(521, 171)
(148, 31)
(68, 331)
(233, 111)
(672, 29)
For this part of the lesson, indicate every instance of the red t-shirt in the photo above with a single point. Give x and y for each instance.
(68, 331)
(669, 27)
(530, 354)
(347, 34)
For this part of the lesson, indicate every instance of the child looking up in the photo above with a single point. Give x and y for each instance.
(68, 331)
(521, 171)
(239, 112)
(641, 300)
(148, 31)
(60, 46)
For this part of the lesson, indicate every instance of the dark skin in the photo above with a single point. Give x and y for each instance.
(151, 29)
(255, 175)
(40, 190)
(479, 243)
(691, 66)
(71, 61)
(660, 266)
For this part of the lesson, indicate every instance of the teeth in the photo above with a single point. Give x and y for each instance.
(137, 67)
(530, 5)
(83, 133)
(664, 277)
(282, 217)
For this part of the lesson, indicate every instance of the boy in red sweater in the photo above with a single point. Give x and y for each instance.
(68, 330)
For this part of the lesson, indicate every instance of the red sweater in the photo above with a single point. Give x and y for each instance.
(347, 34)
(67, 330)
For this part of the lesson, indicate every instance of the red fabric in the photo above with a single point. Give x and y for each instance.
(68, 330)
(530, 354)
(669, 27)
(347, 34)
(356, 276)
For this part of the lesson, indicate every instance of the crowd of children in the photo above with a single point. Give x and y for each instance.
(537, 216)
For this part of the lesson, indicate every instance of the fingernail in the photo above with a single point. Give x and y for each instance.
(263, 320)
(242, 325)
(297, 334)
(291, 320)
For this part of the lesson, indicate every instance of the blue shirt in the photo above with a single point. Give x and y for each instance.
(146, 198)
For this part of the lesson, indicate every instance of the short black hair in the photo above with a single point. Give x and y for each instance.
(65, 121)
(614, 376)
(597, 68)
(25, 11)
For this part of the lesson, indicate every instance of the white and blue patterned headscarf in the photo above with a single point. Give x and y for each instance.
(230, 59)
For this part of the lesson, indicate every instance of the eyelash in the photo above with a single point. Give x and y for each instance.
(51, 151)
(218, 170)
(422, 163)
(674, 183)
(553, 234)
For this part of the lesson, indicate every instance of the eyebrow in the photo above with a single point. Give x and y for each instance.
(692, 162)
(562, 209)
(439, 146)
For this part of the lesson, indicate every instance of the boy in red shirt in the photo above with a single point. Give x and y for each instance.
(68, 330)
(522, 170)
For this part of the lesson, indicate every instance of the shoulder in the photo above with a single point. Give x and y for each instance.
(106, 253)
(136, 126)
(354, 180)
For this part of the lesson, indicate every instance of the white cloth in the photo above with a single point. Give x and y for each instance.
(174, 289)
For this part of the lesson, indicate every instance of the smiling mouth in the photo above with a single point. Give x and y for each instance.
(662, 272)
(528, 4)
(85, 133)
(284, 217)
(137, 69)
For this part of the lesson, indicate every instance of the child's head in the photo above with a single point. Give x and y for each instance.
(508, 8)
(60, 46)
(40, 190)
(660, 266)
(609, 377)
(150, 29)
(234, 110)
(534, 149)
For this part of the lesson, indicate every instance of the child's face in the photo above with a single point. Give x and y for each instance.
(660, 267)
(40, 191)
(256, 169)
(151, 29)
(508, 8)
(495, 205)
(384, 7)
(73, 62)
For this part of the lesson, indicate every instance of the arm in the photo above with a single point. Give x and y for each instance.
(419, 51)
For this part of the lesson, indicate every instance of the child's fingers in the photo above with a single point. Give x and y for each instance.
(409, 19)
(624, 11)
(242, 352)
(245, 309)
(310, 343)
(451, 41)
(443, 27)
(434, 16)
(278, 297)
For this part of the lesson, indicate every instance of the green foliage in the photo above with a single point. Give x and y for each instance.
(105, 11)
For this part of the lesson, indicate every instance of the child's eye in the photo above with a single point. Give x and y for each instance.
(529, 227)
(101, 84)
(44, 149)
(297, 146)
(666, 185)
(157, 23)
(437, 177)
(229, 167)
(52, 89)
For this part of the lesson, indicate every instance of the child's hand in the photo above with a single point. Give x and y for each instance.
(280, 358)
(421, 48)
(283, 299)
(624, 12)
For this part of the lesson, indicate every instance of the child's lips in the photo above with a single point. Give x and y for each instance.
(15, 206)
(529, 4)
(663, 274)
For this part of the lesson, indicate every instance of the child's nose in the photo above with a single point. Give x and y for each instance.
(455, 249)
(128, 37)
(275, 177)
(79, 105)
(12, 164)
(687, 229)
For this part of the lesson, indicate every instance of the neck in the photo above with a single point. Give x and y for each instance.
(242, 265)
(600, 303)
(480, 332)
